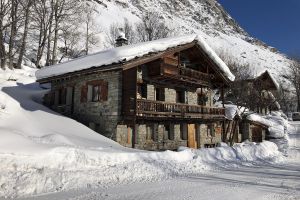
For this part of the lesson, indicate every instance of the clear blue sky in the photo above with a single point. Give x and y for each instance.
(276, 22)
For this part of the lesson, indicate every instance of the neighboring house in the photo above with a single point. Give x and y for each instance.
(256, 94)
(155, 95)
(267, 86)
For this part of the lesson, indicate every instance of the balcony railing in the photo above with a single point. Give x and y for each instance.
(148, 108)
(181, 74)
(186, 72)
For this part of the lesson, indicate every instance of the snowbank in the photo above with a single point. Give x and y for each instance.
(245, 153)
(129, 52)
(65, 168)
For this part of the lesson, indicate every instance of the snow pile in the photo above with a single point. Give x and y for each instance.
(232, 110)
(278, 128)
(277, 125)
(130, 52)
(246, 153)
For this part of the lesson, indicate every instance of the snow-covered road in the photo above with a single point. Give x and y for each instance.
(266, 181)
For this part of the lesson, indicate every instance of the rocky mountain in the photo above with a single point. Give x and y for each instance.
(205, 17)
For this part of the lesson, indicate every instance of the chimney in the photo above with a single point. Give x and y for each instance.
(121, 39)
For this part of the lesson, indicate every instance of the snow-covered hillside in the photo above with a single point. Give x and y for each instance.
(204, 17)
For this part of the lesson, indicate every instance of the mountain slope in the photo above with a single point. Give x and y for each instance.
(205, 17)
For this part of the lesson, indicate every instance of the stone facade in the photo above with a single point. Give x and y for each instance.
(106, 117)
(102, 116)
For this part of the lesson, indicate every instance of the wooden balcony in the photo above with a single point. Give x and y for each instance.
(179, 74)
(160, 109)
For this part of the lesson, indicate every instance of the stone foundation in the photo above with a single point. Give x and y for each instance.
(169, 136)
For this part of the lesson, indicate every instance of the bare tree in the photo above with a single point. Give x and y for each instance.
(152, 27)
(41, 19)
(26, 4)
(5, 7)
(64, 10)
(294, 77)
(128, 29)
(69, 37)
(91, 29)
(14, 18)
(50, 30)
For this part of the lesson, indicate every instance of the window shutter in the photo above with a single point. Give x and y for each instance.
(52, 98)
(69, 95)
(83, 97)
(89, 93)
(104, 91)
(63, 95)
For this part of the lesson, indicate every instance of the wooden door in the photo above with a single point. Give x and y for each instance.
(256, 134)
(192, 136)
(129, 135)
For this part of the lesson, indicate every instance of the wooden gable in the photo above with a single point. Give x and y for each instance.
(266, 80)
(190, 58)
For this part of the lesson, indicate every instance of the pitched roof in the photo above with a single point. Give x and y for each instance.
(267, 74)
(127, 53)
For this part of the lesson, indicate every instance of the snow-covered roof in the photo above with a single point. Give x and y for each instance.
(272, 78)
(130, 52)
(259, 119)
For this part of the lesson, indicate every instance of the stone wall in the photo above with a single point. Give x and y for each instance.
(159, 140)
(192, 98)
(101, 116)
(150, 92)
(210, 134)
(170, 95)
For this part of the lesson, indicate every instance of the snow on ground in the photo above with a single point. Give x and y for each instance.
(43, 152)
(264, 181)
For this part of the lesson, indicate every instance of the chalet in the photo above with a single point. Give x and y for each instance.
(154, 95)
(266, 86)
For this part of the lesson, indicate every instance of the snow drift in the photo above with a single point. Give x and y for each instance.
(64, 168)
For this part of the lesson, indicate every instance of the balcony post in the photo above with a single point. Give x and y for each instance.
(222, 96)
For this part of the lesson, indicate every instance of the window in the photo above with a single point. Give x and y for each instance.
(142, 90)
(180, 96)
(160, 94)
(202, 99)
(183, 131)
(96, 91)
(155, 132)
(69, 95)
(210, 130)
(169, 128)
(149, 132)
(62, 96)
